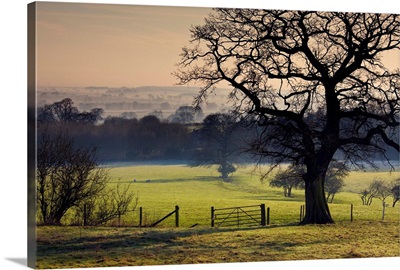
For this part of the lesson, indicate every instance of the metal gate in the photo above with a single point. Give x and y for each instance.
(251, 215)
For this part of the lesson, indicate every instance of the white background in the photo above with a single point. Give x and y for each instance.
(13, 148)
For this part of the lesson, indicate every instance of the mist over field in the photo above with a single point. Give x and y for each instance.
(132, 102)
(137, 102)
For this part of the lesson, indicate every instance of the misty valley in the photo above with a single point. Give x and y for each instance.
(132, 102)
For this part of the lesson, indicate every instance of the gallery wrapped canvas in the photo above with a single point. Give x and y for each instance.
(176, 136)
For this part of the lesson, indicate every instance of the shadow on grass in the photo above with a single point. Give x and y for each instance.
(102, 246)
(134, 240)
(269, 198)
(176, 180)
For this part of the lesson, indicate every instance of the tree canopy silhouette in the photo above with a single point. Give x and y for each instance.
(219, 143)
(314, 82)
(64, 111)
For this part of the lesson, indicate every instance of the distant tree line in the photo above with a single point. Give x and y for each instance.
(180, 137)
(64, 112)
(218, 139)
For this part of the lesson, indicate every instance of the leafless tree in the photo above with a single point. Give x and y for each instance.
(66, 176)
(110, 204)
(288, 179)
(219, 143)
(314, 80)
(395, 188)
(292, 177)
(337, 171)
(377, 189)
(383, 191)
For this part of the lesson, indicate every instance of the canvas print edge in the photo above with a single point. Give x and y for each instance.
(31, 140)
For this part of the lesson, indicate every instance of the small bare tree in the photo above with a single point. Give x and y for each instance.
(337, 171)
(288, 179)
(366, 196)
(292, 177)
(332, 186)
(377, 189)
(219, 143)
(396, 191)
(111, 204)
(66, 176)
(382, 192)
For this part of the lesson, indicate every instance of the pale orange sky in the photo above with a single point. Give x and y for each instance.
(111, 45)
(115, 45)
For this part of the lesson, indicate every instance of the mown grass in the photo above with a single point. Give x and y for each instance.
(105, 246)
(195, 190)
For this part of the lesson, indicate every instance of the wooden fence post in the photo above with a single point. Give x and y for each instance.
(212, 216)
(268, 216)
(176, 212)
(176, 216)
(85, 215)
(263, 219)
(351, 212)
(140, 216)
(383, 209)
(237, 217)
(301, 212)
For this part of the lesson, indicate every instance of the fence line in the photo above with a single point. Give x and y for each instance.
(176, 212)
(249, 215)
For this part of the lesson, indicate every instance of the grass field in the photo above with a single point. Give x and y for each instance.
(105, 246)
(195, 190)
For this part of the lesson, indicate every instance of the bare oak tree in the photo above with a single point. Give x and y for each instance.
(315, 80)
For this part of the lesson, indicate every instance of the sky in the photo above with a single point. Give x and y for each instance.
(115, 45)
(111, 45)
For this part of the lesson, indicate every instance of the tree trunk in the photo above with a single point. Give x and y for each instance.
(317, 210)
(394, 202)
(289, 193)
(224, 175)
(56, 219)
(370, 200)
(224, 169)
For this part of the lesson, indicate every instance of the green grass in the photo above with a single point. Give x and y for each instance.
(104, 246)
(359, 180)
(195, 190)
